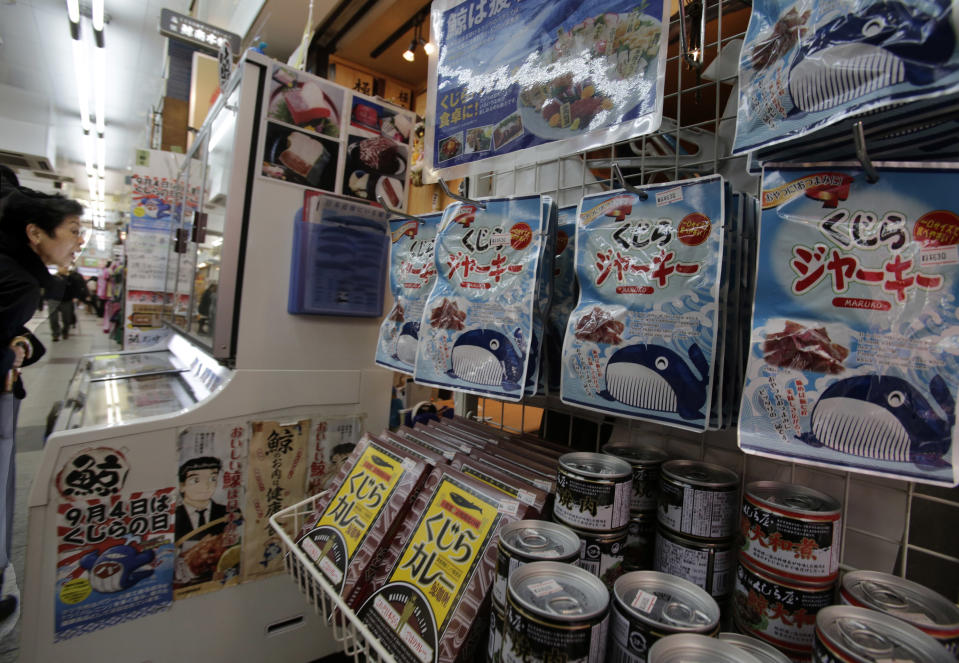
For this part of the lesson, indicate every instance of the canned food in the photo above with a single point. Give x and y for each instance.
(849, 634)
(695, 648)
(525, 541)
(601, 553)
(903, 599)
(777, 610)
(646, 462)
(640, 542)
(706, 564)
(592, 491)
(648, 605)
(754, 647)
(496, 619)
(698, 499)
(554, 611)
(791, 531)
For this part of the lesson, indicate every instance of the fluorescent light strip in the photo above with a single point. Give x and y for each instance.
(92, 183)
(73, 10)
(88, 154)
(97, 14)
(101, 189)
(101, 155)
(100, 87)
(83, 82)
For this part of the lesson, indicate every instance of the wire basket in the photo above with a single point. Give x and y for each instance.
(355, 639)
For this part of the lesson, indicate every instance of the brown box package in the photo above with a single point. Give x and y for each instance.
(430, 443)
(511, 486)
(432, 596)
(362, 515)
(539, 477)
(428, 456)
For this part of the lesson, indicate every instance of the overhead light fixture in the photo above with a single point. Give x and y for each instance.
(101, 189)
(92, 184)
(409, 54)
(89, 154)
(101, 155)
(83, 82)
(97, 12)
(429, 47)
(100, 87)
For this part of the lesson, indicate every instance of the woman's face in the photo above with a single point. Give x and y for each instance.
(59, 249)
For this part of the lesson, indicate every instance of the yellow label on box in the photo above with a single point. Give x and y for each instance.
(448, 542)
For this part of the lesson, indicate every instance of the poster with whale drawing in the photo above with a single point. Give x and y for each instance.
(642, 338)
(807, 64)
(854, 352)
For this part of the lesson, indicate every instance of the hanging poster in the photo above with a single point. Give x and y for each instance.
(808, 64)
(557, 75)
(114, 560)
(276, 479)
(854, 351)
(331, 443)
(209, 514)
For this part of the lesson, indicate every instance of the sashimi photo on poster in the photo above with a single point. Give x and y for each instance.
(854, 355)
(211, 469)
(511, 76)
(114, 560)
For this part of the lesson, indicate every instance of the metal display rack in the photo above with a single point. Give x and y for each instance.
(345, 625)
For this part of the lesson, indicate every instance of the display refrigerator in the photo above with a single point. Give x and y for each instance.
(127, 560)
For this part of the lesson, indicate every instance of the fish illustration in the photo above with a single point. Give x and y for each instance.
(884, 417)
(656, 378)
(485, 356)
(885, 44)
(117, 568)
(406, 343)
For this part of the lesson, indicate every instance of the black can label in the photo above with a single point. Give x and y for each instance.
(591, 504)
(536, 640)
(701, 512)
(708, 567)
(645, 493)
(495, 641)
(640, 544)
(603, 556)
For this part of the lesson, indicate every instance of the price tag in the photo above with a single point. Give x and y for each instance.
(545, 588)
(644, 601)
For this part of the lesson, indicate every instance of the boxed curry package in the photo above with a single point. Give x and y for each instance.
(642, 339)
(854, 354)
(431, 601)
(412, 273)
(477, 325)
(371, 496)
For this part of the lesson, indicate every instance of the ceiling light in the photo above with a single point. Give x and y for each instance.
(101, 189)
(101, 155)
(100, 87)
(83, 82)
(429, 47)
(97, 14)
(92, 183)
(88, 154)
(408, 54)
(73, 10)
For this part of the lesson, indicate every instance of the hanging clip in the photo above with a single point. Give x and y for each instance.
(859, 136)
(692, 44)
(618, 174)
(396, 212)
(456, 196)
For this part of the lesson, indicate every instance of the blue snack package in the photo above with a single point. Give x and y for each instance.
(854, 351)
(412, 274)
(477, 325)
(807, 64)
(564, 294)
(544, 293)
(642, 339)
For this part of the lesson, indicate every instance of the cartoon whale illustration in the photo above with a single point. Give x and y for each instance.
(406, 342)
(883, 417)
(885, 44)
(485, 356)
(117, 568)
(656, 378)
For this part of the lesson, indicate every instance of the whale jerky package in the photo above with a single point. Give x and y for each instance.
(641, 340)
(564, 293)
(412, 273)
(854, 353)
(477, 325)
(431, 599)
(807, 64)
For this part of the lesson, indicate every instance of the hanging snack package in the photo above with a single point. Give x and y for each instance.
(854, 353)
(477, 325)
(564, 294)
(412, 273)
(641, 341)
(363, 513)
(544, 292)
(431, 600)
(807, 64)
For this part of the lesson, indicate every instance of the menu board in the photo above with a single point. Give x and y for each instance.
(320, 135)
(559, 76)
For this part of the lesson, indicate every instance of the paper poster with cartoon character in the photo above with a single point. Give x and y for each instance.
(209, 510)
(276, 479)
(114, 560)
(331, 442)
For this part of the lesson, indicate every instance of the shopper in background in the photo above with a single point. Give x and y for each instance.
(36, 230)
(58, 304)
(77, 290)
(103, 287)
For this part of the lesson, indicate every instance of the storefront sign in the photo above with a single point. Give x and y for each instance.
(198, 33)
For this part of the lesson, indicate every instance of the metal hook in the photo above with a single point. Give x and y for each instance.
(396, 212)
(692, 45)
(859, 136)
(626, 185)
(456, 196)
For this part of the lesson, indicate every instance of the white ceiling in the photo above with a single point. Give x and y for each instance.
(38, 82)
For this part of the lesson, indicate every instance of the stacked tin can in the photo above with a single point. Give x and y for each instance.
(593, 494)
(646, 462)
(695, 536)
(788, 564)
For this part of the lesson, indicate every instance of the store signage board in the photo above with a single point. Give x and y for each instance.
(198, 33)
(559, 77)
